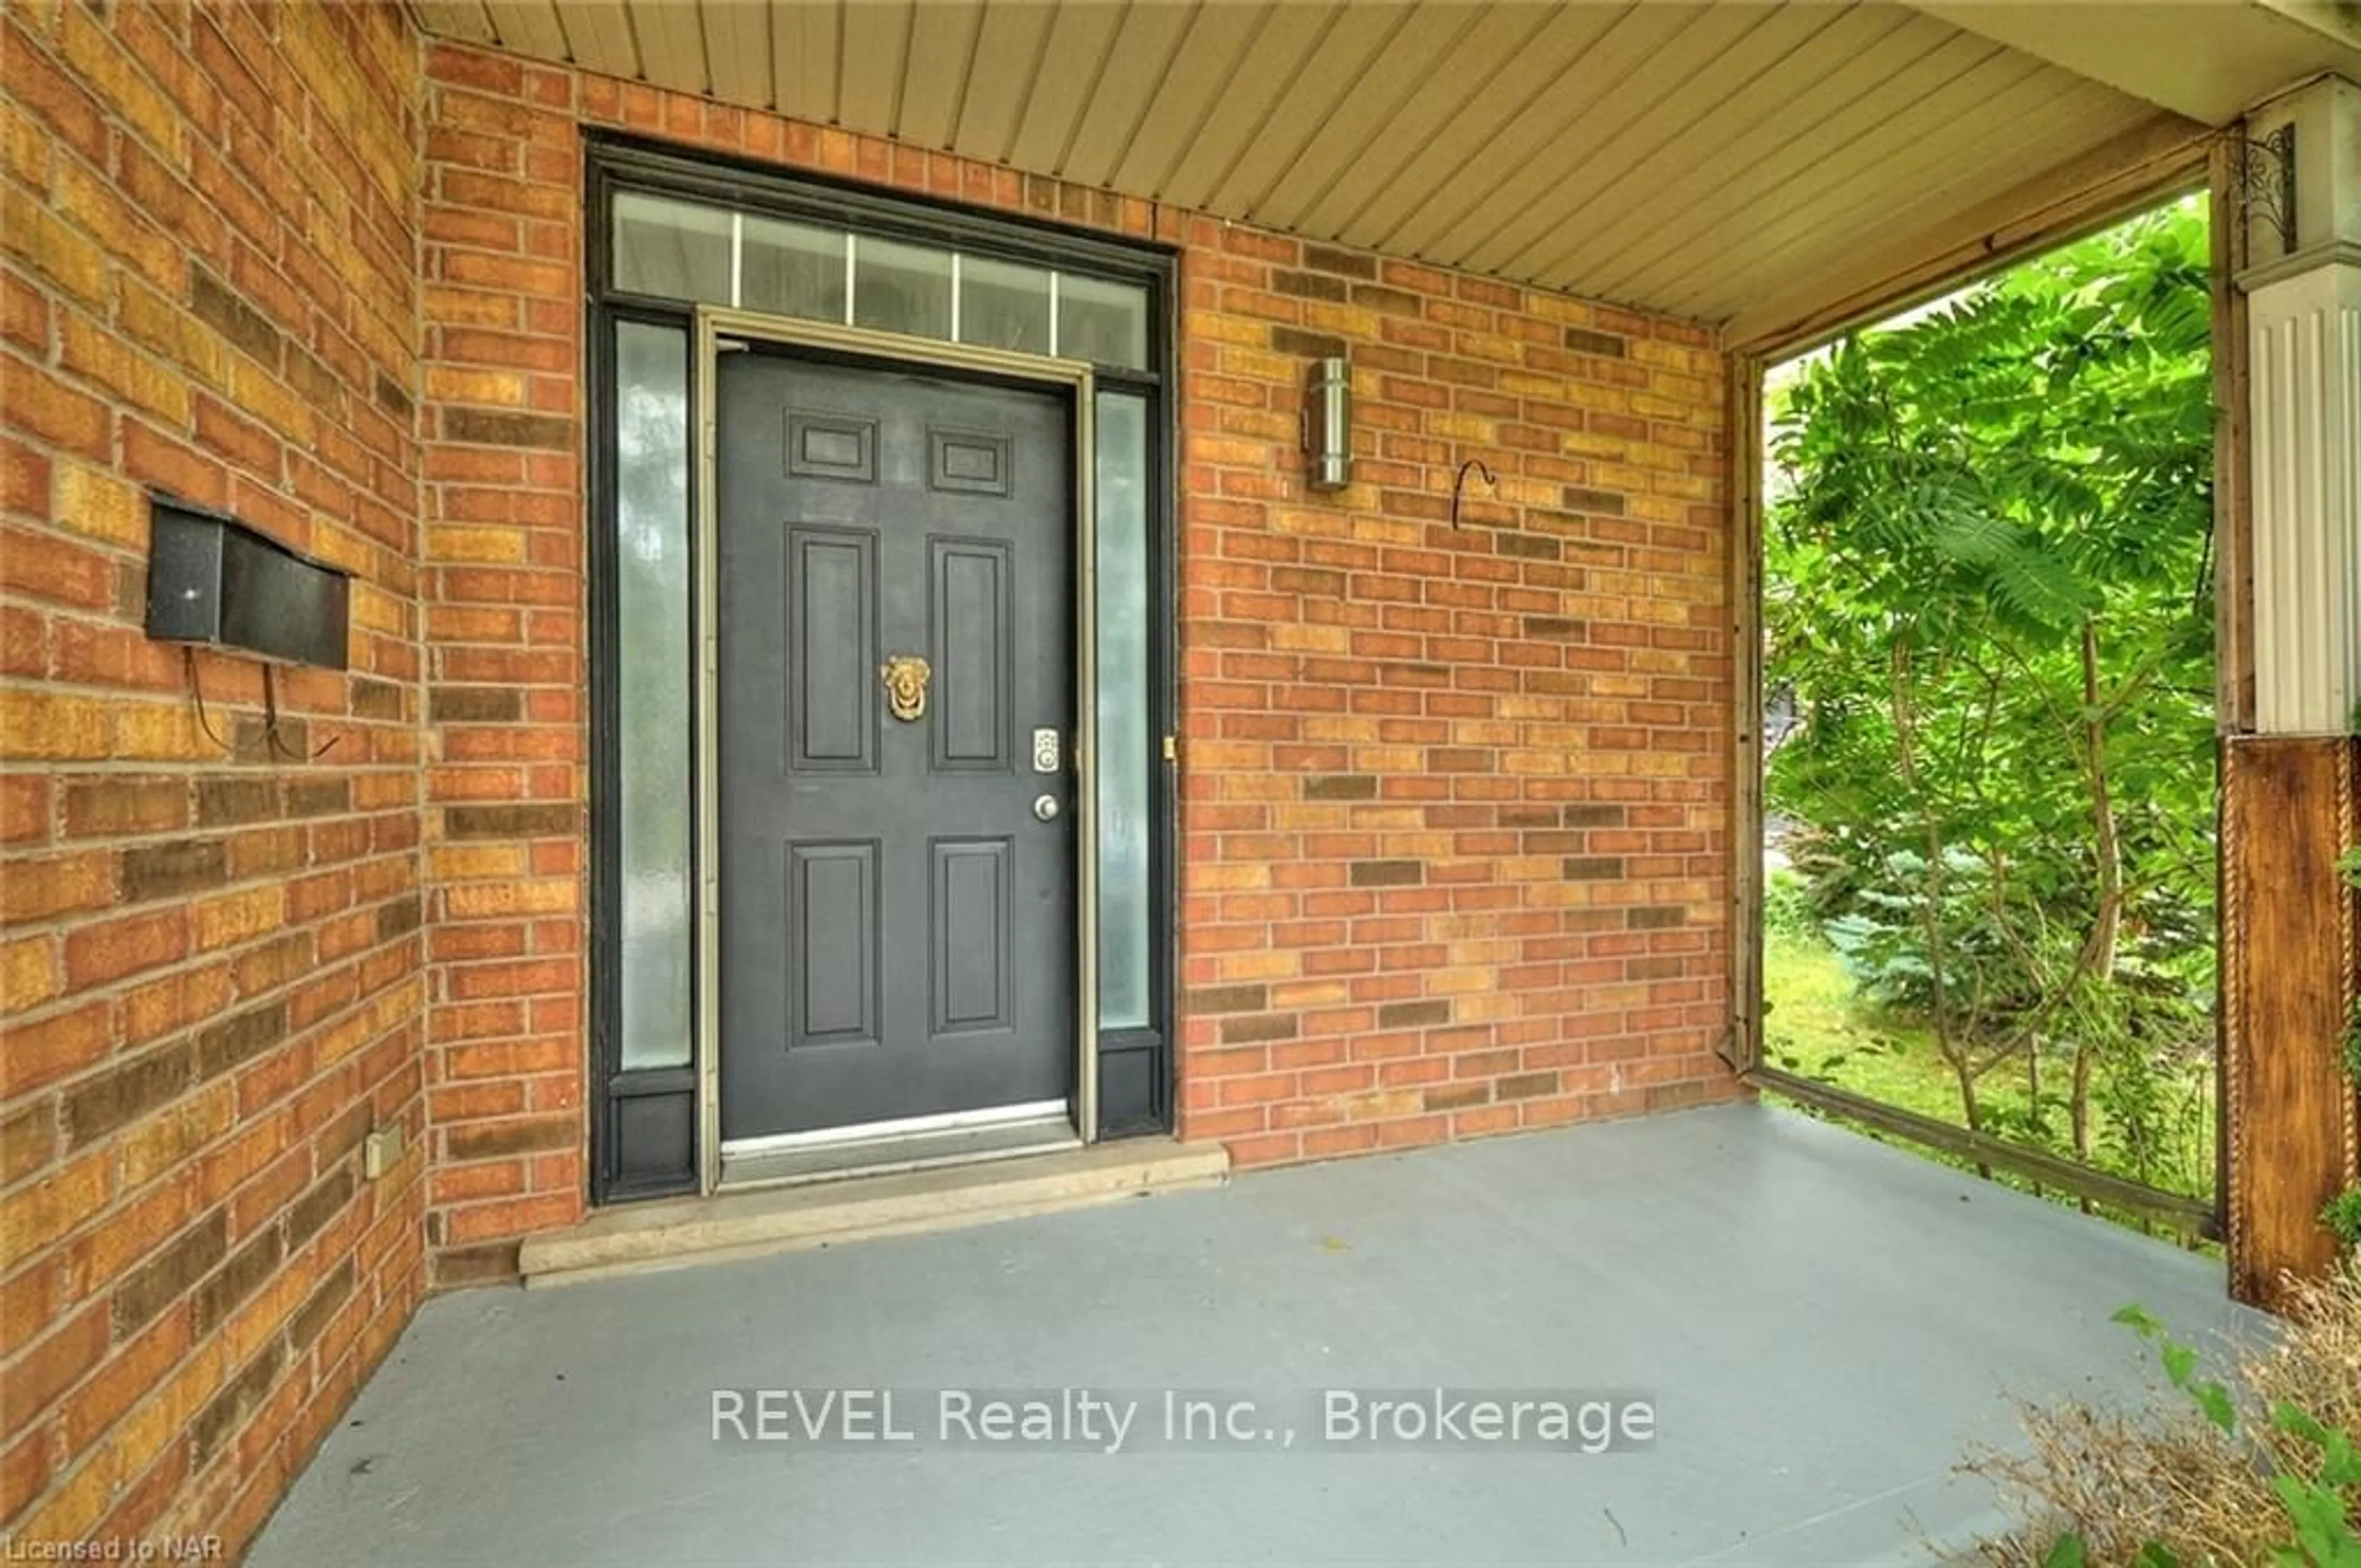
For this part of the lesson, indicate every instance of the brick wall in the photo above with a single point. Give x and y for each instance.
(1456, 800)
(507, 661)
(211, 960)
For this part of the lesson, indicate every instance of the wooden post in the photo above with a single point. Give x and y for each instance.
(2291, 659)
(1742, 1046)
(2289, 980)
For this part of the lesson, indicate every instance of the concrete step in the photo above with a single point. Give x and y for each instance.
(636, 1237)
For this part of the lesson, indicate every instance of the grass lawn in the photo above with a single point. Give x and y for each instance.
(1817, 1027)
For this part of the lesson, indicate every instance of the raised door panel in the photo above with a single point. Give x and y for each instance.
(832, 650)
(834, 953)
(972, 610)
(970, 934)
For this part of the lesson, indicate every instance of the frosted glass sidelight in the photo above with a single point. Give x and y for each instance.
(1126, 890)
(652, 668)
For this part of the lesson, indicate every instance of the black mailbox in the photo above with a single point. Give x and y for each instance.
(212, 579)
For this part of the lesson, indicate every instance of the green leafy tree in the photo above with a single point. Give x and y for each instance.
(1988, 554)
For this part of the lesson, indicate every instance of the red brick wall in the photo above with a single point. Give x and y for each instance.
(1456, 800)
(211, 963)
(507, 661)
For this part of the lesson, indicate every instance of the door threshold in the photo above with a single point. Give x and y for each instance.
(901, 1126)
(636, 1238)
(793, 1162)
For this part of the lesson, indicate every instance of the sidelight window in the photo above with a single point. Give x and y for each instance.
(1125, 802)
(651, 667)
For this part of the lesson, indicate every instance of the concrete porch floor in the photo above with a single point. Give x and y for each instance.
(1820, 1321)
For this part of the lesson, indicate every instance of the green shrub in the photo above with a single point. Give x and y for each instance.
(2343, 1216)
(1786, 905)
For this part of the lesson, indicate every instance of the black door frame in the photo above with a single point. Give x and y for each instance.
(647, 1136)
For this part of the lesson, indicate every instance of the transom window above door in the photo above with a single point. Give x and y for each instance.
(685, 250)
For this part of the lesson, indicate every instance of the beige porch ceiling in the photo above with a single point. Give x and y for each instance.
(1740, 162)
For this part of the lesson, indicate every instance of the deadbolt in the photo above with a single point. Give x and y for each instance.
(1044, 807)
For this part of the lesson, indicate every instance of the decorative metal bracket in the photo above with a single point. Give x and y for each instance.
(2266, 182)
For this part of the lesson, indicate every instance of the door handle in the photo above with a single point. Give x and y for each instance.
(1044, 807)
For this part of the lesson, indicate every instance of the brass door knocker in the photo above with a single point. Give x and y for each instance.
(906, 676)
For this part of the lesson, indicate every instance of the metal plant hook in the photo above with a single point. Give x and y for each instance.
(1459, 484)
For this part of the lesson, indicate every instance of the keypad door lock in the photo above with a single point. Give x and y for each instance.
(1048, 754)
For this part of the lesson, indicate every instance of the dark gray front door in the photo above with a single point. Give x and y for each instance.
(898, 923)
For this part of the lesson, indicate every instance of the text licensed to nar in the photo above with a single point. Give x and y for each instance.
(1133, 1420)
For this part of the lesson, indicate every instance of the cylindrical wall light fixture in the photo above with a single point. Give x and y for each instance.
(1328, 425)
